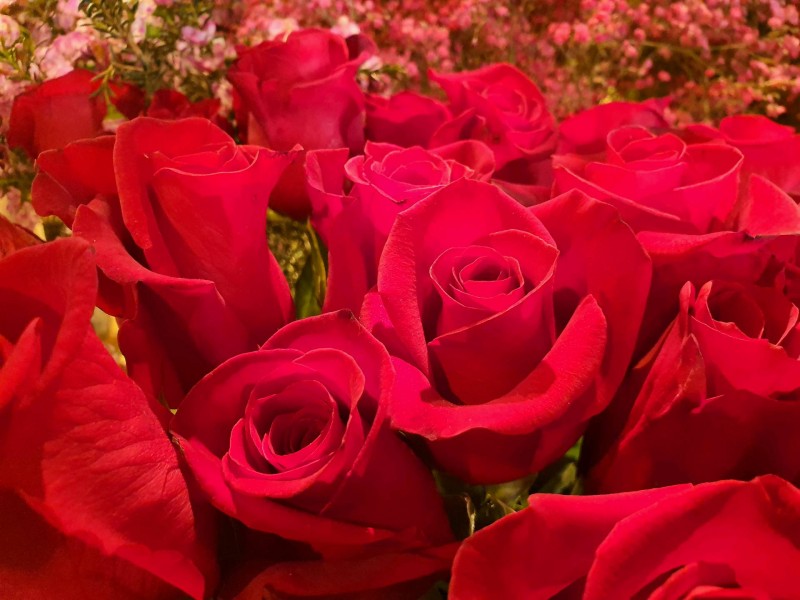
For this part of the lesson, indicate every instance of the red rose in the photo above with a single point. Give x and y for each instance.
(585, 133)
(171, 104)
(300, 91)
(383, 182)
(726, 539)
(500, 106)
(182, 247)
(294, 439)
(720, 398)
(509, 332)
(63, 110)
(658, 182)
(406, 119)
(769, 149)
(92, 500)
(691, 215)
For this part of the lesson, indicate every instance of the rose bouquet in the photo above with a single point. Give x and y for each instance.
(395, 346)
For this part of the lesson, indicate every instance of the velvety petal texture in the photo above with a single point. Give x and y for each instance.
(719, 399)
(294, 439)
(301, 91)
(739, 539)
(38, 122)
(494, 293)
(500, 106)
(93, 498)
(177, 215)
(382, 183)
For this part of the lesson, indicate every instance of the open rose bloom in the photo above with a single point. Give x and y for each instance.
(369, 345)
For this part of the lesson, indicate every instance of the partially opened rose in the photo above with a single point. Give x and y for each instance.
(177, 215)
(93, 503)
(65, 109)
(770, 150)
(658, 182)
(726, 539)
(691, 212)
(294, 439)
(299, 91)
(386, 180)
(720, 399)
(500, 106)
(585, 133)
(508, 334)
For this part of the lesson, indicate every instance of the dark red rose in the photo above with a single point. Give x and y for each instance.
(180, 240)
(509, 331)
(300, 91)
(92, 500)
(386, 576)
(720, 397)
(501, 107)
(769, 149)
(65, 109)
(585, 133)
(405, 119)
(386, 180)
(171, 104)
(294, 439)
(726, 539)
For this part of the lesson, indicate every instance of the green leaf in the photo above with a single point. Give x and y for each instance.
(305, 297)
(309, 292)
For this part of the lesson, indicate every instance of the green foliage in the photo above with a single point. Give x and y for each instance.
(472, 507)
(152, 61)
(309, 292)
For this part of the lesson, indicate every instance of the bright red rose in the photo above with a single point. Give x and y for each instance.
(177, 215)
(63, 110)
(294, 439)
(720, 399)
(689, 210)
(405, 119)
(585, 133)
(658, 182)
(726, 539)
(501, 107)
(769, 149)
(386, 180)
(93, 503)
(509, 331)
(300, 91)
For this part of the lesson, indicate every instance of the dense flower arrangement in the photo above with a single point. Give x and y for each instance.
(382, 343)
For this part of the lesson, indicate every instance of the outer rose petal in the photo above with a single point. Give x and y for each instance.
(753, 528)
(37, 120)
(600, 256)
(585, 133)
(72, 176)
(82, 434)
(627, 545)
(406, 119)
(545, 549)
(37, 562)
(389, 576)
(176, 330)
